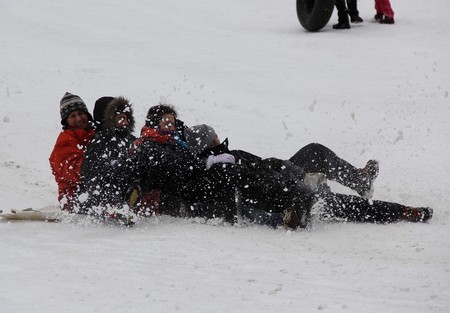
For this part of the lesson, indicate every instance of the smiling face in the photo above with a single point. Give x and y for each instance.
(121, 120)
(78, 120)
(167, 122)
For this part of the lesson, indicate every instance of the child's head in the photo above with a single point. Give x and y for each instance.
(200, 138)
(161, 117)
(73, 111)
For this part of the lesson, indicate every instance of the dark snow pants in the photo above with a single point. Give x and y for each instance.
(339, 206)
(357, 209)
(316, 158)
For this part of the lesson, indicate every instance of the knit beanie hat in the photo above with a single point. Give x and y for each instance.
(199, 137)
(70, 103)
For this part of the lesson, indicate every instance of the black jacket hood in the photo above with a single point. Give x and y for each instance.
(117, 105)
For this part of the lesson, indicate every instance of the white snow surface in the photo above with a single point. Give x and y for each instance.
(248, 69)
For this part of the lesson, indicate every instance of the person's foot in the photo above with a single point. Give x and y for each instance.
(133, 195)
(126, 220)
(341, 25)
(387, 20)
(356, 19)
(292, 220)
(378, 17)
(415, 215)
(315, 180)
(298, 215)
(369, 173)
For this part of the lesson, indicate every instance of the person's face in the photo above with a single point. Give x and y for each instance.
(167, 122)
(215, 142)
(78, 120)
(121, 120)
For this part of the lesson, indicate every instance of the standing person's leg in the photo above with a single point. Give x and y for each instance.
(387, 11)
(316, 158)
(356, 209)
(379, 8)
(353, 11)
(385, 14)
(343, 21)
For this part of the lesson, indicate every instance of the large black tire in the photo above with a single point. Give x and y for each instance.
(314, 14)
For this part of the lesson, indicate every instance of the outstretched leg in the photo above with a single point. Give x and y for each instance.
(357, 209)
(316, 158)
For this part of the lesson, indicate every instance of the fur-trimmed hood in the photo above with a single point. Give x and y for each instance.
(117, 105)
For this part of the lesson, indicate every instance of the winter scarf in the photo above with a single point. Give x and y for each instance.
(148, 133)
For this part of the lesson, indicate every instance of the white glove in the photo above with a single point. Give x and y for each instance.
(221, 158)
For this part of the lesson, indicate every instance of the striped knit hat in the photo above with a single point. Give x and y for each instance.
(70, 103)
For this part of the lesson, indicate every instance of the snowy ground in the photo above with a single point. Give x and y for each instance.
(247, 68)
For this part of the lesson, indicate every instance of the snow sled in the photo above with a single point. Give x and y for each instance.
(30, 215)
(314, 14)
(54, 216)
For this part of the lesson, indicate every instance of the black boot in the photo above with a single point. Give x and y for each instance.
(415, 215)
(367, 176)
(343, 21)
(356, 19)
(387, 20)
(353, 11)
(378, 17)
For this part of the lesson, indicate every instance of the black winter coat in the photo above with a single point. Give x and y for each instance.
(174, 170)
(269, 184)
(166, 166)
(178, 174)
(107, 171)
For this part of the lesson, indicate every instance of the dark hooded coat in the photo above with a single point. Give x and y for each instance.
(107, 171)
(165, 164)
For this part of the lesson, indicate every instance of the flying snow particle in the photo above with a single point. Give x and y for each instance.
(311, 107)
(399, 137)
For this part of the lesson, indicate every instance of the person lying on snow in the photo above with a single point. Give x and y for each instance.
(67, 156)
(164, 162)
(204, 142)
(312, 158)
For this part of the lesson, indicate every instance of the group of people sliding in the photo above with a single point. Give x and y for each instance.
(102, 169)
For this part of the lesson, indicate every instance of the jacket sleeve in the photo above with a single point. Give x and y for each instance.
(66, 160)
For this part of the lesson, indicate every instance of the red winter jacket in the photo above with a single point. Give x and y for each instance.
(66, 160)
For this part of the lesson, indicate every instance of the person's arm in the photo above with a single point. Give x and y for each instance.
(66, 160)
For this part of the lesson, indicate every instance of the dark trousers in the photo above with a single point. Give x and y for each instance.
(357, 209)
(342, 11)
(352, 7)
(339, 206)
(316, 158)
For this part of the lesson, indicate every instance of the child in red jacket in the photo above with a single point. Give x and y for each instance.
(385, 14)
(68, 154)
